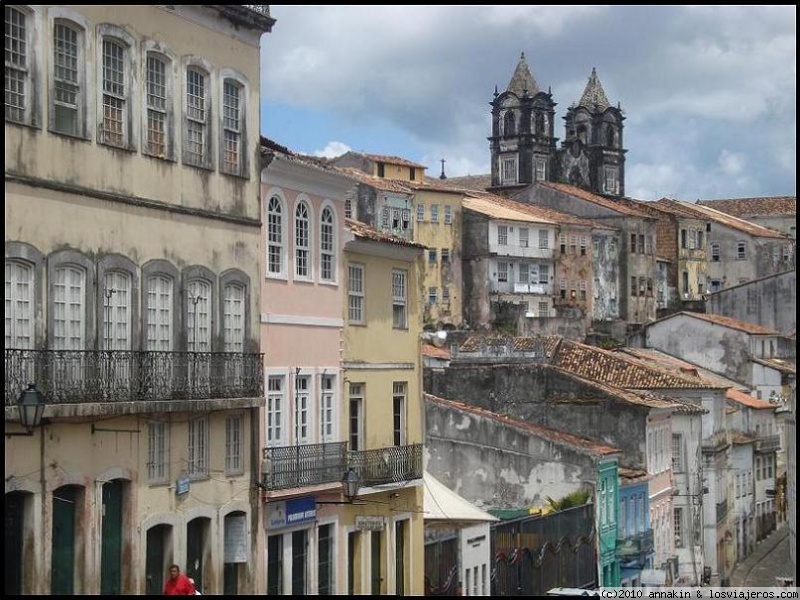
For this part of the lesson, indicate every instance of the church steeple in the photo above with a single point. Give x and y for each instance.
(522, 81)
(594, 96)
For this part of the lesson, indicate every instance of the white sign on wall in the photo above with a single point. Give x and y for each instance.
(369, 523)
(236, 539)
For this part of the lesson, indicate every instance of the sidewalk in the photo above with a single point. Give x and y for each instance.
(755, 571)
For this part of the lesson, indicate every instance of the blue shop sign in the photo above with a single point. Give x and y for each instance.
(301, 510)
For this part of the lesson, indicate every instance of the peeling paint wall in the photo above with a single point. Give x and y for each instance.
(606, 286)
(770, 301)
(475, 249)
(495, 465)
(762, 257)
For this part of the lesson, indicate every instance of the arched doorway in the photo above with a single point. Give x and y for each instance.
(197, 544)
(112, 538)
(158, 557)
(67, 501)
(236, 554)
(17, 512)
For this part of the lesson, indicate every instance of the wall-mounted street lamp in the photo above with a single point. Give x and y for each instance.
(350, 484)
(31, 408)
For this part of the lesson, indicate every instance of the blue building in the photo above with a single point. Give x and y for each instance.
(635, 547)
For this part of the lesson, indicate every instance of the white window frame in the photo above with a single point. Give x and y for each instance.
(117, 309)
(234, 299)
(197, 113)
(275, 413)
(69, 321)
(234, 445)
(448, 214)
(524, 237)
(276, 223)
(25, 64)
(327, 408)
(357, 395)
(302, 226)
(327, 245)
(541, 169)
(420, 213)
(19, 305)
(231, 140)
(544, 274)
(158, 103)
(303, 395)
(544, 309)
(115, 94)
(610, 180)
(198, 448)
(76, 83)
(523, 273)
(544, 239)
(509, 173)
(199, 315)
(399, 406)
(445, 256)
(158, 452)
(741, 250)
(399, 299)
(434, 213)
(433, 295)
(502, 272)
(502, 235)
(356, 293)
(160, 318)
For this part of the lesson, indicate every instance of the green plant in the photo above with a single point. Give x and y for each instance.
(571, 500)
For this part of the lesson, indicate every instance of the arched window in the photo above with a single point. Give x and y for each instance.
(198, 316)
(233, 115)
(509, 125)
(117, 311)
(158, 103)
(69, 308)
(22, 63)
(196, 143)
(160, 317)
(540, 129)
(302, 242)
(610, 137)
(19, 305)
(275, 229)
(115, 92)
(68, 98)
(327, 245)
(233, 318)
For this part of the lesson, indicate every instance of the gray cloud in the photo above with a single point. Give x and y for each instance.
(706, 90)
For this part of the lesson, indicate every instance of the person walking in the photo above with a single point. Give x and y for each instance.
(178, 584)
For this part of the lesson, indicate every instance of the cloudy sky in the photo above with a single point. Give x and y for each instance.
(710, 93)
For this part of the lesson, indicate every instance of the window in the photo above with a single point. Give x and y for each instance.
(158, 106)
(69, 314)
(19, 305)
(412, 173)
(611, 180)
(544, 309)
(508, 170)
(67, 81)
(434, 213)
(302, 392)
(544, 240)
(699, 241)
(233, 446)
(399, 299)
(302, 250)
(159, 313)
(633, 243)
(648, 249)
(741, 250)
(523, 274)
(448, 214)
(117, 311)
(573, 244)
(157, 452)
(523, 237)
(584, 244)
(649, 286)
(502, 235)
(381, 170)
(348, 208)
(327, 252)
(446, 294)
(641, 243)
(633, 286)
(232, 117)
(432, 256)
(275, 410)
(399, 389)
(562, 289)
(326, 557)
(582, 289)
(356, 416)
(114, 126)
(198, 316)
(677, 453)
(326, 408)
(233, 318)
(420, 212)
(19, 60)
(197, 117)
(562, 241)
(541, 169)
(432, 295)
(198, 448)
(275, 251)
(544, 274)
(502, 272)
(355, 293)
(677, 514)
(445, 256)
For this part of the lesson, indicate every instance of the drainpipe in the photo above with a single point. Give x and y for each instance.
(41, 579)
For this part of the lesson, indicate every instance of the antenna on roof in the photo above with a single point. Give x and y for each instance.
(442, 176)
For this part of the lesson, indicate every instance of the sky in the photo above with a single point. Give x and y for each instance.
(709, 93)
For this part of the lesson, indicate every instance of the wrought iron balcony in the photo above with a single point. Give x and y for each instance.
(636, 546)
(307, 464)
(74, 377)
(768, 443)
(392, 464)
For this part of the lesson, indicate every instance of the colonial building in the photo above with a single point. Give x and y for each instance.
(775, 212)
(383, 394)
(137, 321)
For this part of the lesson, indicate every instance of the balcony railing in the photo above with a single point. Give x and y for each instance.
(302, 465)
(768, 443)
(636, 546)
(722, 510)
(72, 377)
(393, 464)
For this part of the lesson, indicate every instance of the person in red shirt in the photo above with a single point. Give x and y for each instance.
(178, 584)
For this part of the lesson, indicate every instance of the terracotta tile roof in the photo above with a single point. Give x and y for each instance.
(547, 343)
(379, 183)
(609, 203)
(739, 438)
(494, 210)
(750, 328)
(631, 474)
(365, 232)
(435, 185)
(558, 437)
(479, 183)
(540, 211)
(432, 351)
(755, 207)
(392, 160)
(779, 364)
(748, 400)
(704, 212)
(678, 366)
(623, 371)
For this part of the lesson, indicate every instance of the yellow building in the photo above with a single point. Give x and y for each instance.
(383, 420)
(132, 266)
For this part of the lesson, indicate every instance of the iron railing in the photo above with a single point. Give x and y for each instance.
(767, 443)
(307, 464)
(74, 376)
(636, 546)
(392, 464)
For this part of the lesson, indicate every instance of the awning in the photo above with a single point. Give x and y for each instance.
(443, 504)
(653, 577)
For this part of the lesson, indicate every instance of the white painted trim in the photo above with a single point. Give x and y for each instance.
(269, 318)
(364, 366)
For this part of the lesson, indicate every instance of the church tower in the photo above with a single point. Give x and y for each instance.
(591, 155)
(522, 144)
